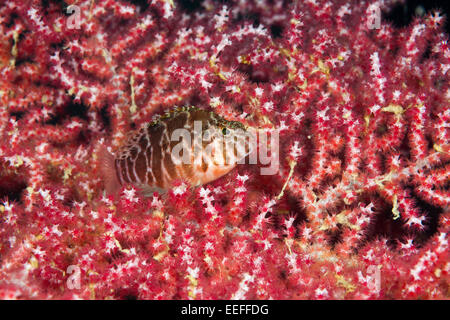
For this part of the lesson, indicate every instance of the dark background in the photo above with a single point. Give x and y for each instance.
(400, 16)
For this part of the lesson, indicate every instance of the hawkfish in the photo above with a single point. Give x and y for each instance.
(188, 143)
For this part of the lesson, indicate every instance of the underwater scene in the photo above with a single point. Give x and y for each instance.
(219, 150)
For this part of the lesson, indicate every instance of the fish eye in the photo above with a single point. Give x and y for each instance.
(225, 131)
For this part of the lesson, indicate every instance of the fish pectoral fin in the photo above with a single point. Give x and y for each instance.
(148, 191)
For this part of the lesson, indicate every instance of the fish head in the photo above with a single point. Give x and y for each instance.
(225, 144)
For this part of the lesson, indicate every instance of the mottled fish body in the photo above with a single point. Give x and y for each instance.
(187, 143)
